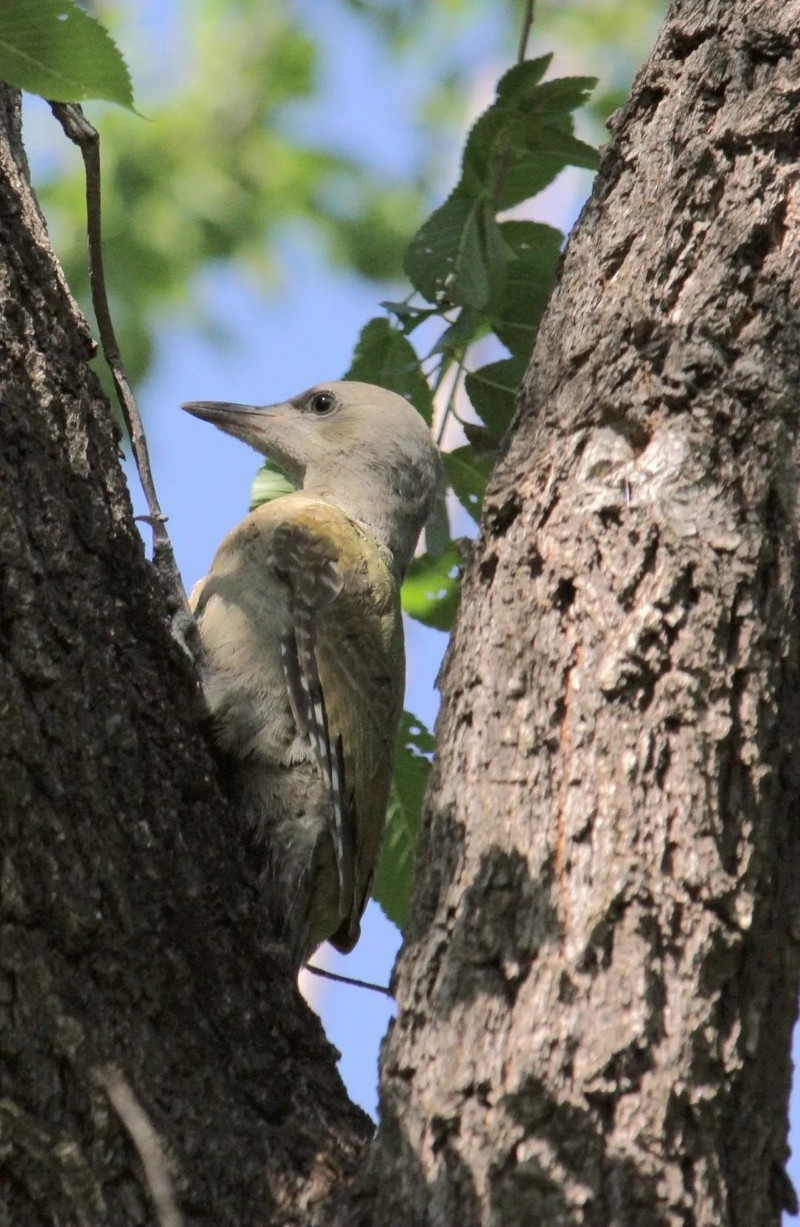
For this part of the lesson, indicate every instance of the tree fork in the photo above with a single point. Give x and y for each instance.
(599, 984)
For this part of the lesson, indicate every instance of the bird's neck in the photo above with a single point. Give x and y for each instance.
(392, 525)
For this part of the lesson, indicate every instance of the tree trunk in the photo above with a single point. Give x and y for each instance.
(130, 935)
(599, 985)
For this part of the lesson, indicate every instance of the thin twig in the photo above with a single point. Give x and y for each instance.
(525, 33)
(451, 400)
(331, 975)
(147, 1143)
(77, 127)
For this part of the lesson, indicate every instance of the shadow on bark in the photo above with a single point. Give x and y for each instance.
(560, 1148)
(503, 921)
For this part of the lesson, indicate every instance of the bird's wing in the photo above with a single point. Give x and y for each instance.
(365, 701)
(361, 664)
(308, 563)
(343, 665)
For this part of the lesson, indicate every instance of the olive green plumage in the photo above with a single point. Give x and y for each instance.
(300, 621)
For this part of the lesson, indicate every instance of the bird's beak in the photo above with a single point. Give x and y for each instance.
(271, 429)
(224, 414)
(245, 422)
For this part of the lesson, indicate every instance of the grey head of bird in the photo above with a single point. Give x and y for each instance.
(355, 445)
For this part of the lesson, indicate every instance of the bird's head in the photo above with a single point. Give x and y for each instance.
(355, 445)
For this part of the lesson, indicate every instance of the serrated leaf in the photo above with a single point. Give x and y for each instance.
(459, 256)
(525, 138)
(55, 49)
(270, 482)
(522, 78)
(412, 767)
(517, 147)
(563, 95)
(492, 389)
(516, 314)
(431, 589)
(534, 155)
(497, 122)
(467, 474)
(530, 171)
(445, 260)
(384, 356)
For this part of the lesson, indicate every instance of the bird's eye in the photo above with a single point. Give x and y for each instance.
(322, 402)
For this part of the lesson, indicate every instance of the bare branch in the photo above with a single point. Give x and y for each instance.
(332, 975)
(77, 127)
(147, 1142)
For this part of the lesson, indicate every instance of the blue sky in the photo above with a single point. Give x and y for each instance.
(302, 335)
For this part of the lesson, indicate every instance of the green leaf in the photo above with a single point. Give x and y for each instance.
(499, 256)
(460, 256)
(467, 474)
(493, 389)
(55, 49)
(480, 438)
(525, 138)
(431, 589)
(437, 530)
(270, 482)
(535, 160)
(383, 355)
(561, 96)
(445, 259)
(412, 768)
(495, 126)
(516, 313)
(522, 78)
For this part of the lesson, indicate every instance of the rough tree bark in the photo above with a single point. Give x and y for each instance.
(128, 933)
(599, 986)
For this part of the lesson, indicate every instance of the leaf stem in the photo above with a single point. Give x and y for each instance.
(451, 398)
(525, 32)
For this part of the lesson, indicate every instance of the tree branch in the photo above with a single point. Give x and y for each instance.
(77, 127)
